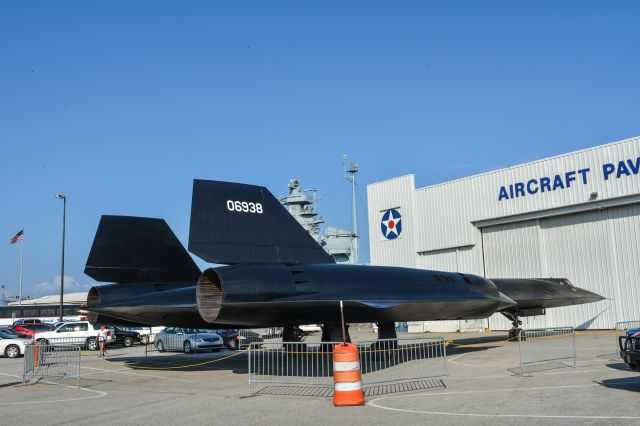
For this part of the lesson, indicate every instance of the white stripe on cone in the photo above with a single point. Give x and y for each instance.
(348, 386)
(346, 366)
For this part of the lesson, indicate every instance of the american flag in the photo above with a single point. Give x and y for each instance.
(18, 237)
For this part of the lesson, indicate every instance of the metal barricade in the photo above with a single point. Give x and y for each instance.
(546, 346)
(382, 362)
(404, 359)
(51, 362)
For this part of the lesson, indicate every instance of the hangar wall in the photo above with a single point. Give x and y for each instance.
(575, 215)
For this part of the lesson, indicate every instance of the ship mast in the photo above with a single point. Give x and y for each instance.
(350, 175)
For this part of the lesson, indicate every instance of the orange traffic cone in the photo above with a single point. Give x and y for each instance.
(346, 376)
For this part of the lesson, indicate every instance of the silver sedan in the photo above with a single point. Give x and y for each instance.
(188, 340)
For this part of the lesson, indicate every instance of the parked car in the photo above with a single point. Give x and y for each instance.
(15, 333)
(230, 336)
(26, 321)
(125, 337)
(74, 333)
(188, 340)
(31, 329)
(147, 334)
(11, 346)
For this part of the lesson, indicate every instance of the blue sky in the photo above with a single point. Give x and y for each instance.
(119, 105)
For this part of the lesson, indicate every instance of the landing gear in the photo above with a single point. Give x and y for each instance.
(387, 330)
(333, 333)
(292, 333)
(516, 332)
(387, 344)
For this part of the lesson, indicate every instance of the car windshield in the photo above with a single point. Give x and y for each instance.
(198, 330)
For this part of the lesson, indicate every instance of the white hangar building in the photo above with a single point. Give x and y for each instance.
(574, 216)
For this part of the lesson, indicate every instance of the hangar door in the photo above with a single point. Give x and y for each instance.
(597, 250)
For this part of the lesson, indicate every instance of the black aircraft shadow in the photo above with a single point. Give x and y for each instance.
(290, 363)
(227, 360)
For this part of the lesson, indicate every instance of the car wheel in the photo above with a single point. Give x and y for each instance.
(12, 351)
(160, 346)
(92, 345)
(233, 344)
(144, 340)
(187, 347)
(128, 341)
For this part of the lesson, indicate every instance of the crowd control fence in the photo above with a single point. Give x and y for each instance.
(541, 346)
(382, 362)
(51, 362)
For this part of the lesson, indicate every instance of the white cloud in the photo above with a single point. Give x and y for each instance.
(71, 285)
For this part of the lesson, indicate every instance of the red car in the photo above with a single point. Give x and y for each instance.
(31, 329)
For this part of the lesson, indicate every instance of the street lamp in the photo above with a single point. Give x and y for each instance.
(64, 218)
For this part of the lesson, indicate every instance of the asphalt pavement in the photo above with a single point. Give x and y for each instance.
(130, 388)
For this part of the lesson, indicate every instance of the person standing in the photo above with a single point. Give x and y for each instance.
(102, 340)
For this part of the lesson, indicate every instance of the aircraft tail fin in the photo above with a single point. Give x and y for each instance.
(235, 223)
(138, 249)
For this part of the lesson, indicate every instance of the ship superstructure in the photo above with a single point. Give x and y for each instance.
(337, 242)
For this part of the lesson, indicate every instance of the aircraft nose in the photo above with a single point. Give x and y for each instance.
(587, 296)
(504, 301)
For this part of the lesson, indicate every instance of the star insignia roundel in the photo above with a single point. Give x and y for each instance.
(391, 224)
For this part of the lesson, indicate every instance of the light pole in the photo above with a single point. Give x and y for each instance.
(64, 218)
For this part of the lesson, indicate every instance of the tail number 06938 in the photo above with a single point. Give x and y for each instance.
(244, 206)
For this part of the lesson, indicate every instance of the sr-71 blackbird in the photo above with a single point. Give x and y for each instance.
(275, 274)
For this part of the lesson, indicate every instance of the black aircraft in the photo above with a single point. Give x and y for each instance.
(275, 274)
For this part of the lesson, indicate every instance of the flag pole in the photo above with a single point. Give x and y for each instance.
(21, 262)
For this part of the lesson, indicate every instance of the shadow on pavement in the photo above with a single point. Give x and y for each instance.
(369, 390)
(629, 384)
(619, 366)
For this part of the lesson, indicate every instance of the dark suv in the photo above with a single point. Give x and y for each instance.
(630, 348)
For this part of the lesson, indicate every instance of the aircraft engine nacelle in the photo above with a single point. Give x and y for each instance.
(235, 295)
